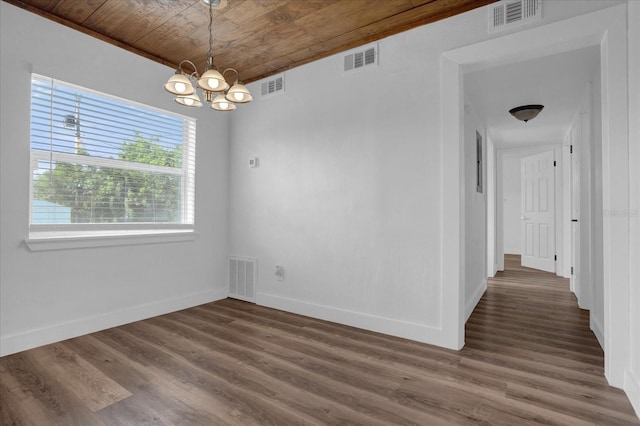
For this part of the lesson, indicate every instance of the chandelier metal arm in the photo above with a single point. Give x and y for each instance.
(195, 69)
(234, 70)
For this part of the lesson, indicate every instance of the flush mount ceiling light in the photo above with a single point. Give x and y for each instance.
(215, 89)
(526, 112)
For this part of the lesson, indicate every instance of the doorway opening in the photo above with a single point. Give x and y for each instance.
(605, 29)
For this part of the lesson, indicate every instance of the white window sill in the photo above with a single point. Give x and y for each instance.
(41, 241)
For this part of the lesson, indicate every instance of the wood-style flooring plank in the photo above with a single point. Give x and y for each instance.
(530, 358)
(45, 400)
(94, 389)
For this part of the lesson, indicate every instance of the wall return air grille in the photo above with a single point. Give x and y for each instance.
(508, 14)
(243, 276)
(362, 58)
(272, 86)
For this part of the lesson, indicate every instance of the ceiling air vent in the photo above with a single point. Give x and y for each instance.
(512, 13)
(273, 86)
(361, 58)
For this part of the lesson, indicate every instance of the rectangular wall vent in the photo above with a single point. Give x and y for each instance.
(512, 13)
(362, 58)
(243, 276)
(273, 86)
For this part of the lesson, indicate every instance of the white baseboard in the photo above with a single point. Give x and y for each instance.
(33, 338)
(408, 330)
(632, 389)
(512, 251)
(597, 328)
(475, 298)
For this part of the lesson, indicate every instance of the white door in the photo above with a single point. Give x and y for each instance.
(538, 212)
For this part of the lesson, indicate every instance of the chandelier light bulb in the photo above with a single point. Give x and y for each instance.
(213, 83)
(180, 87)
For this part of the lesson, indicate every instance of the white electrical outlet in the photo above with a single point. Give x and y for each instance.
(254, 162)
(279, 273)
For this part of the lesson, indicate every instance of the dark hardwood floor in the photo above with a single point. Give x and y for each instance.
(529, 358)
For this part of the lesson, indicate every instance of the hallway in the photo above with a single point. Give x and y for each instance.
(528, 331)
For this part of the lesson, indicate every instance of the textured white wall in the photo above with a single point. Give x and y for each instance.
(592, 235)
(492, 217)
(475, 212)
(53, 295)
(348, 175)
(511, 204)
(632, 375)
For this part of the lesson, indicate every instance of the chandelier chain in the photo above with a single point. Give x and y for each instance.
(210, 54)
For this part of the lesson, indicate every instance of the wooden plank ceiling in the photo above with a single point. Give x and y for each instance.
(259, 38)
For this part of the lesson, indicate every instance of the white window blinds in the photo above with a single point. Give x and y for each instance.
(98, 159)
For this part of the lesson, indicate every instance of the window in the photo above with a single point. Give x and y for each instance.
(101, 164)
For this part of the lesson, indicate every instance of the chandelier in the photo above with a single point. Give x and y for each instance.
(215, 89)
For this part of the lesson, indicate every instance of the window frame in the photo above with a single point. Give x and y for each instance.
(82, 235)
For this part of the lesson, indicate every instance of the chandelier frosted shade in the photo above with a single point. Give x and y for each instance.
(179, 84)
(213, 81)
(221, 103)
(239, 93)
(191, 100)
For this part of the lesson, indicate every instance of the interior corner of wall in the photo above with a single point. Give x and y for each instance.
(632, 389)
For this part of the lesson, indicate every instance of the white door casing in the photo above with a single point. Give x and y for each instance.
(538, 211)
(575, 213)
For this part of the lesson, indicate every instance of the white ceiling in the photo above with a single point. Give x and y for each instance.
(556, 81)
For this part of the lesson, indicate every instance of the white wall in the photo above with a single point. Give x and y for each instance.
(593, 234)
(511, 203)
(492, 264)
(475, 212)
(53, 295)
(345, 197)
(632, 374)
